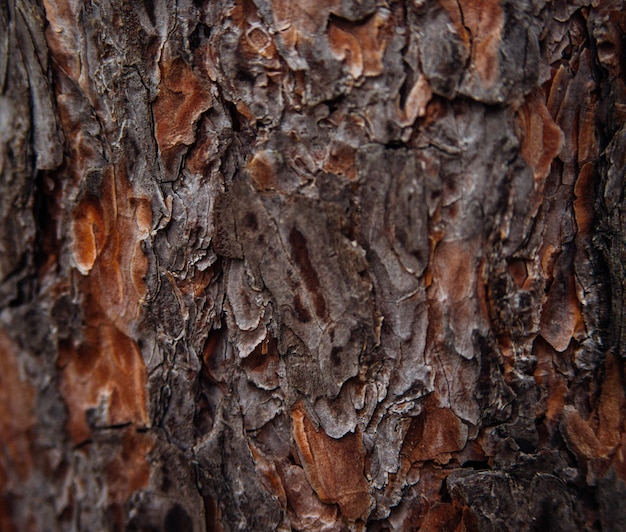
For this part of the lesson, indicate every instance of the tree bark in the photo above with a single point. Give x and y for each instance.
(295, 265)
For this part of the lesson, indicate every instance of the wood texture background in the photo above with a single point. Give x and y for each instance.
(312, 265)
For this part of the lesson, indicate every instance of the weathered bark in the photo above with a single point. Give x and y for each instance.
(273, 264)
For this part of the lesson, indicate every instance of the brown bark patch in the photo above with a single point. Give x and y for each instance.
(269, 474)
(479, 24)
(587, 133)
(416, 102)
(301, 256)
(301, 17)
(576, 116)
(255, 39)
(519, 271)
(182, 98)
(611, 402)
(454, 269)
(306, 512)
(360, 45)
(201, 154)
(453, 293)
(619, 458)
(60, 37)
(341, 161)
(485, 21)
(108, 231)
(106, 371)
(556, 89)
(553, 382)
(17, 421)
(441, 517)
(262, 170)
(334, 468)
(88, 236)
(541, 138)
(579, 436)
(263, 364)
(433, 435)
(129, 470)
(561, 315)
(16, 416)
(584, 199)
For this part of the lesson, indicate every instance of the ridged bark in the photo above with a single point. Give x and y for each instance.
(274, 265)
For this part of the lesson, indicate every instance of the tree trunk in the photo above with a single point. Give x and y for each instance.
(275, 265)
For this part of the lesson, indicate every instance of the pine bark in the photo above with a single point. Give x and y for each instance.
(296, 265)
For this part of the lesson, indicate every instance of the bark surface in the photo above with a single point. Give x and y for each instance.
(275, 265)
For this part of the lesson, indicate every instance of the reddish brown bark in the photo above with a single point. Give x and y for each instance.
(312, 265)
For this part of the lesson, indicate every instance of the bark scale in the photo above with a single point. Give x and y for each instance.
(312, 265)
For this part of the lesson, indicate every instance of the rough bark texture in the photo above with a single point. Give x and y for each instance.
(312, 265)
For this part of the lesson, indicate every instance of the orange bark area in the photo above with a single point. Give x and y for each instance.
(434, 435)
(195, 285)
(361, 46)
(561, 316)
(108, 232)
(454, 270)
(580, 437)
(479, 24)
(106, 369)
(574, 105)
(79, 144)
(105, 372)
(255, 41)
(341, 161)
(306, 512)
(611, 403)
(334, 468)
(587, 141)
(428, 512)
(600, 440)
(340, 156)
(519, 272)
(416, 102)
(556, 89)
(436, 234)
(270, 477)
(583, 204)
(453, 289)
(65, 38)
(264, 361)
(541, 138)
(16, 419)
(182, 98)
(485, 21)
(442, 516)
(553, 382)
(129, 470)
(619, 458)
(200, 156)
(262, 171)
(60, 36)
(610, 427)
(294, 18)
